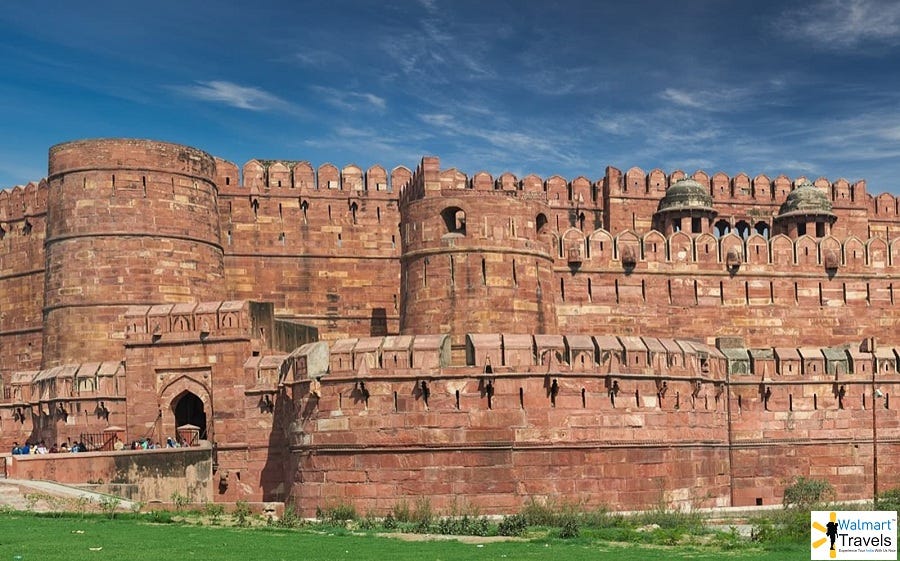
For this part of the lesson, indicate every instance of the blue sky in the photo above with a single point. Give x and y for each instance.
(803, 88)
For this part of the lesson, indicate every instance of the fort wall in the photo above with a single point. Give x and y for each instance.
(323, 246)
(23, 214)
(133, 279)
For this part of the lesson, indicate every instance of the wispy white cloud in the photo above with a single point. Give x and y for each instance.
(318, 58)
(841, 24)
(349, 100)
(440, 48)
(717, 99)
(505, 141)
(235, 95)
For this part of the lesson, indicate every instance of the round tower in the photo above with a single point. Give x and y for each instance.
(473, 261)
(129, 222)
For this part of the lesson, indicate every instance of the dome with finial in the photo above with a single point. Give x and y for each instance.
(806, 198)
(686, 194)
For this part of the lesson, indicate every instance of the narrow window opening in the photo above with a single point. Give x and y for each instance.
(483, 271)
(815, 401)
(583, 398)
(522, 398)
(562, 289)
(425, 272)
(339, 240)
(637, 398)
(457, 399)
(227, 181)
(790, 402)
(452, 272)
(617, 290)
(396, 403)
(514, 276)
(378, 214)
(590, 291)
(329, 213)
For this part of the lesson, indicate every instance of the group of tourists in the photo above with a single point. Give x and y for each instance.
(142, 444)
(41, 448)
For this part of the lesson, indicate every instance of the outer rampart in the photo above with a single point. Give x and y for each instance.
(125, 278)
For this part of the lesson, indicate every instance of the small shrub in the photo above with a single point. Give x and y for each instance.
(368, 522)
(804, 493)
(179, 501)
(109, 505)
(889, 500)
(514, 525)
(401, 512)
(290, 518)
(729, 540)
(80, 505)
(137, 506)
(569, 528)
(389, 523)
(337, 514)
(214, 512)
(422, 515)
(241, 513)
(539, 514)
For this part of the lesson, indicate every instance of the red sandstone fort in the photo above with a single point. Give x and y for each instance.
(371, 336)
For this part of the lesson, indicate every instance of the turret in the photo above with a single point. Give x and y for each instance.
(686, 207)
(806, 211)
(474, 258)
(129, 222)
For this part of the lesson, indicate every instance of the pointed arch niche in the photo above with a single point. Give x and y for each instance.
(184, 399)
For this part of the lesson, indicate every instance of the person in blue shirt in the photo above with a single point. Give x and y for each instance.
(16, 450)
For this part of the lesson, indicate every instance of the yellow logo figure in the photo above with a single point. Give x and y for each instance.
(830, 531)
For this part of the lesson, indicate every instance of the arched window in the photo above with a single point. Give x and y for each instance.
(454, 220)
(540, 222)
(762, 228)
(743, 229)
(721, 228)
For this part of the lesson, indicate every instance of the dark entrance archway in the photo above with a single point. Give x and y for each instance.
(188, 409)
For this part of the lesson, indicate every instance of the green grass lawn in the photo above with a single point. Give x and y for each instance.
(95, 538)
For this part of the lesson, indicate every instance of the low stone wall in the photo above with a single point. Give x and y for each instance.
(149, 475)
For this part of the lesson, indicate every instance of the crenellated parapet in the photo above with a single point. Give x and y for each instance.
(292, 177)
